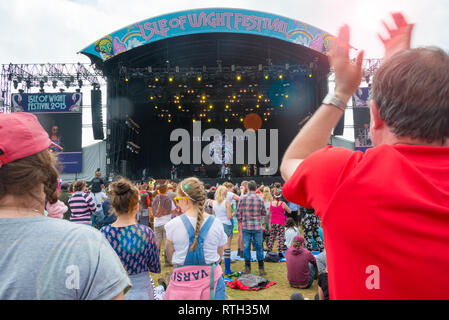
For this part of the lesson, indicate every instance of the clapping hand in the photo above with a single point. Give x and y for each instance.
(399, 37)
(347, 75)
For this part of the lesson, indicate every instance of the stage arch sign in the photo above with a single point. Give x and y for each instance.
(209, 21)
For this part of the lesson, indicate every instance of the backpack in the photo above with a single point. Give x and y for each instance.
(161, 206)
(272, 257)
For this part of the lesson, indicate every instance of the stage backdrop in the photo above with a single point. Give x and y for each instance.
(209, 21)
(60, 114)
(362, 119)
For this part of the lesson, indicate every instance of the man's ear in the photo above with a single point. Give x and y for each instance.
(376, 120)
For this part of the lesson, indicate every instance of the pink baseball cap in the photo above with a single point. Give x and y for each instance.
(21, 136)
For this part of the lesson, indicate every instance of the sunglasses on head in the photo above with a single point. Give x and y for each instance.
(176, 199)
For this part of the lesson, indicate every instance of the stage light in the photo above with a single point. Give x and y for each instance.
(169, 120)
(179, 107)
(151, 98)
(239, 77)
(155, 107)
(227, 107)
(211, 107)
(241, 119)
(280, 106)
(199, 79)
(266, 119)
(203, 97)
(226, 120)
(156, 79)
(209, 120)
(126, 79)
(266, 77)
(170, 79)
(244, 168)
(260, 96)
(234, 97)
(310, 75)
(281, 76)
(257, 106)
(194, 120)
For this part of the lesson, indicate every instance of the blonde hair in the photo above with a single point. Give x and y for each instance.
(193, 189)
(266, 196)
(220, 194)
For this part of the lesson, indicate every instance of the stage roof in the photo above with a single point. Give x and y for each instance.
(202, 22)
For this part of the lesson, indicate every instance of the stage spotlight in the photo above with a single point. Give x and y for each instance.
(286, 96)
(257, 106)
(126, 79)
(156, 79)
(310, 75)
(209, 120)
(199, 79)
(280, 106)
(169, 120)
(170, 79)
(239, 77)
(226, 120)
(244, 168)
(151, 98)
(266, 119)
(227, 107)
(203, 97)
(211, 107)
(179, 107)
(266, 77)
(194, 120)
(241, 119)
(155, 107)
(281, 77)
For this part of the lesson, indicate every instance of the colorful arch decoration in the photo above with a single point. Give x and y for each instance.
(210, 20)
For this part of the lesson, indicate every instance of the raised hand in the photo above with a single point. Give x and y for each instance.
(347, 75)
(399, 37)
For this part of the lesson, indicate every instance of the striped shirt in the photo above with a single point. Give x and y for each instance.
(250, 211)
(82, 206)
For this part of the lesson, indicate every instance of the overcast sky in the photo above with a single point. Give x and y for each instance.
(42, 31)
(38, 31)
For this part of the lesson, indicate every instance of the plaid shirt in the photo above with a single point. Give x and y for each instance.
(250, 211)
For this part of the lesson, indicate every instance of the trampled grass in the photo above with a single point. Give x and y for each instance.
(275, 272)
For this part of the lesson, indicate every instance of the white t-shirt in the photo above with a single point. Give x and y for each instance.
(177, 233)
(163, 220)
(290, 235)
(221, 212)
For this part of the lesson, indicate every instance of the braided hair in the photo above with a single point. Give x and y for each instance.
(193, 189)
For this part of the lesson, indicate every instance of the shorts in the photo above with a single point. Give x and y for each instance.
(160, 234)
(228, 229)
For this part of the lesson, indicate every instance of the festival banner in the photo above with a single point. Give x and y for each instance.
(60, 114)
(362, 119)
(221, 20)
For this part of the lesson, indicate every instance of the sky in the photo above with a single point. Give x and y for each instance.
(54, 31)
(40, 31)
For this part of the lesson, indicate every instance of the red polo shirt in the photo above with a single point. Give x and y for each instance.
(385, 218)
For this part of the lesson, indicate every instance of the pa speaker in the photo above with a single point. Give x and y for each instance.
(339, 128)
(97, 114)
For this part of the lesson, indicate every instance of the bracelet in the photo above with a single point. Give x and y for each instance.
(339, 108)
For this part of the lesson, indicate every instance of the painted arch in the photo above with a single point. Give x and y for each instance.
(211, 20)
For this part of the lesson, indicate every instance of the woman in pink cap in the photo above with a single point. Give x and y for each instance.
(41, 257)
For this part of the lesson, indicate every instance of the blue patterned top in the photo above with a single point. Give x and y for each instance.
(136, 247)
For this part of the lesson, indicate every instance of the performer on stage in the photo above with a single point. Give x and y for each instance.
(174, 172)
(223, 171)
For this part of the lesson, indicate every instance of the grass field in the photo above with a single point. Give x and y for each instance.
(275, 272)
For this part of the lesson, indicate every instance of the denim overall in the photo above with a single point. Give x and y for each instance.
(196, 257)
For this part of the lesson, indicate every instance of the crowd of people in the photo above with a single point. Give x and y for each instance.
(139, 219)
(384, 213)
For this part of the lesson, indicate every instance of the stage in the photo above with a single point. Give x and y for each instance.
(199, 88)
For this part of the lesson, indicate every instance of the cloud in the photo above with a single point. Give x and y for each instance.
(55, 30)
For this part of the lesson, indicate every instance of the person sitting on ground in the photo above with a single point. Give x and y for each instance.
(323, 287)
(135, 244)
(390, 203)
(43, 258)
(291, 231)
(301, 265)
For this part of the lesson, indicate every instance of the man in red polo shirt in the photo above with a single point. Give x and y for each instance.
(385, 213)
